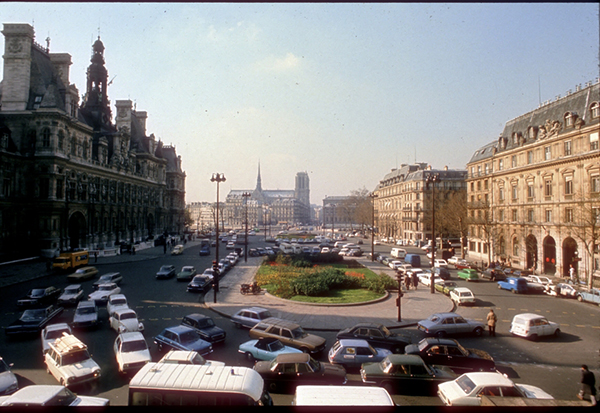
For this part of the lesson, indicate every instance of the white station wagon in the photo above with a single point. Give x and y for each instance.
(131, 351)
(68, 360)
(462, 296)
(532, 326)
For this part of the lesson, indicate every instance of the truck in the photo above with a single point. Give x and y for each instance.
(70, 260)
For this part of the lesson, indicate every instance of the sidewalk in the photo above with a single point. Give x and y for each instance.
(416, 304)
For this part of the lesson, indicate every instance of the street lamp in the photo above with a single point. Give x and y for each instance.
(373, 196)
(432, 179)
(246, 195)
(218, 178)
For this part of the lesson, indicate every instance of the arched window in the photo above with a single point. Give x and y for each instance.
(595, 110)
(515, 246)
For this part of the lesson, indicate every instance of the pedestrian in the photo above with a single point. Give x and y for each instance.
(133, 250)
(572, 273)
(588, 384)
(415, 280)
(95, 256)
(407, 281)
(165, 248)
(491, 322)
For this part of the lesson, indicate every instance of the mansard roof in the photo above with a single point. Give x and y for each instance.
(46, 88)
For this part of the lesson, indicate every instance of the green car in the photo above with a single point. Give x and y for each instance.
(186, 273)
(468, 274)
(445, 287)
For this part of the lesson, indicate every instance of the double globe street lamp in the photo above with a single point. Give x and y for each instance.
(218, 178)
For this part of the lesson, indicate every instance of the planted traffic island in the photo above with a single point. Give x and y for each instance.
(322, 279)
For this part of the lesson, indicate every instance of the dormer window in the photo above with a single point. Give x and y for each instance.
(569, 120)
(595, 110)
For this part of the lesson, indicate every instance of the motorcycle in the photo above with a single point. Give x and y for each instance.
(250, 289)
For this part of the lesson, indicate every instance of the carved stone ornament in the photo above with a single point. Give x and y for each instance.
(15, 46)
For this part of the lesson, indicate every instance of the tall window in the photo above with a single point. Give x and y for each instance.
(547, 153)
(61, 140)
(530, 190)
(501, 215)
(529, 157)
(548, 187)
(46, 138)
(514, 161)
(595, 184)
(515, 246)
(514, 192)
(567, 148)
(501, 194)
(569, 185)
(500, 164)
(530, 215)
(593, 141)
(595, 109)
(548, 215)
(568, 214)
(515, 215)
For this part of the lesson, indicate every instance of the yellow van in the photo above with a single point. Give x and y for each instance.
(68, 260)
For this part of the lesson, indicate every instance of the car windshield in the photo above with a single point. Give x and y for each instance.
(137, 345)
(38, 292)
(33, 315)
(188, 337)
(128, 316)
(63, 398)
(85, 310)
(119, 301)
(465, 384)
(198, 359)
(106, 287)
(385, 364)
(276, 346)
(206, 322)
(466, 294)
(54, 334)
(314, 364)
(434, 318)
(71, 290)
(264, 314)
(104, 278)
(3, 366)
(385, 331)
(298, 333)
(76, 357)
(165, 268)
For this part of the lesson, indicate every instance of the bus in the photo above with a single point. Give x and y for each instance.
(167, 384)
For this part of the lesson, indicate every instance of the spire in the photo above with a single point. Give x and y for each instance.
(258, 180)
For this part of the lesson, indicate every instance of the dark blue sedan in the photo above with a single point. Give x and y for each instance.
(182, 338)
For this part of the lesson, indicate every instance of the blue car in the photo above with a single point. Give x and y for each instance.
(265, 348)
(353, 353)
(182, 338)
(514, 284)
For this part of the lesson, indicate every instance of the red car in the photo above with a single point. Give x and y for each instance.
(462, 264)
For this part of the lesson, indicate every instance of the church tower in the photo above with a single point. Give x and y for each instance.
(302, 189)
(96, 105)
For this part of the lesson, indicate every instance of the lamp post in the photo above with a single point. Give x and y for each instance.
(373, 196)
(218, 178)
(432, 179)
(246, 195)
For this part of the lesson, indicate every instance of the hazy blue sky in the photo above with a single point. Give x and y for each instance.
(345, 92)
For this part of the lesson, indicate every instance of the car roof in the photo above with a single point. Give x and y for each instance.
(293, 358)
(87, 303)
(196, 316)
(279, 322)
(353, 342)
(405, 359)
(255, 309)
(124, 310)
(486, 378)
(461, 289)
(57, 326)
(529, 316)
(112, 297)
(436, 340)
(132, 336)
(179, 329)
(73, 286)
(368, 325)
(36, 394)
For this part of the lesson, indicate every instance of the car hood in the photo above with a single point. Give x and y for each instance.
(7, 380)
(65, 296)
(452, 392)
(90, 401)
(99, 295)
(131, 324)
(412, 349)
(372, 368)
(333, 369)
(199, 345)
(135, 356)
(78, 318)
(213, 331)
(476, 353)
(311, 339)
(533, 392)
(80, 369)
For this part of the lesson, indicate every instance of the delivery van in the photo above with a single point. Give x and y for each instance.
(413, 259)
(399, 253)
(70, 260)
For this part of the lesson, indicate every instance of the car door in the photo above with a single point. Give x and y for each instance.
(448, 325)
(376, 337)
(461, 325)
(436, 354)
(364, 355)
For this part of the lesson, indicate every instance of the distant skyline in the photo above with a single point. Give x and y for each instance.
(343, 91)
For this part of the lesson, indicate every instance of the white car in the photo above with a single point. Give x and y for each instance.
(425, 278)
(395, 264)
(532, 326)
(188, 357)
(116, 302)
(69, 361)
(545, 281)
(125, 320)
(49, 395)
(561, 290)
(404, 268)
(462, 296)
(468, 389)
(103, 292)
(71, 295)
(131, 351)
(51, 332)
(440, 263)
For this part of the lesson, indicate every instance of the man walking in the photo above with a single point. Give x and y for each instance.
(588, 384)
(491, 322)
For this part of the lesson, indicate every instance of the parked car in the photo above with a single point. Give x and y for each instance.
(462, 296)
(286, 371)
(591, 296)
(532, 326)
(8, 381)
(468, 389)
(83, 273)
(38, 297)
(405, 374)
(539, 279)
(265, 349)
(47, 395)
(289, 333)
(249, 317)
(71, 295)
(177, 250)
(404, 268)
(206, 327)
(442, 272)
(493, 274)
(377, 335)
(33, 320)
(200, 284)
(116, 302)
(182, 338)
(452, 260)
(112, 277)
(86, 315)
(186, 273)
(449, 352)
(445, 287)
(440, 263)
(462, 264)
(442, 324)
(51, 332)
(188, 357)
(352, 353)
(131, 351)
(166, 271)
(561, 290)
(468, 274)
(513, 284)
(69, 361)
(103, 292)
(125, 320)
(426, 277)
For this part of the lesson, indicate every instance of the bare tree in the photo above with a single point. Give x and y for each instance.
(452, 216)
(585, 227)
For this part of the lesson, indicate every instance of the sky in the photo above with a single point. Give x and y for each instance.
(343, 91)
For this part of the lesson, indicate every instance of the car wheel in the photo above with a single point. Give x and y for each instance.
(514, 291)
(499, 287)
(533, 337)
(579, 298)
(557, 332)
(273, 387)
(249, 357)
(440, 334)
(478, 331)
(237, 325)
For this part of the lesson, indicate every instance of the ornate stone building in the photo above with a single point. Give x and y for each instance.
(269, 206)
(403, 203)
(69, 176)
(534, 193)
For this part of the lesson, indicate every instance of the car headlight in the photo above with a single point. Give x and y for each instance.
(97, 373)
